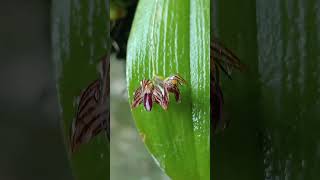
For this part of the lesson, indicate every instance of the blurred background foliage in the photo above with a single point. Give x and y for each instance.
(121, 17)
(274, 105)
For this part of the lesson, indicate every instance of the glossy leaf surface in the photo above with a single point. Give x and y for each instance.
(167, 38)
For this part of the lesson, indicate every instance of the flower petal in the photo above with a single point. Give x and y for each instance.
(175, 90)
(147, 101)
(161, 98)
(165, 99)
(175, 79)
(137, 98)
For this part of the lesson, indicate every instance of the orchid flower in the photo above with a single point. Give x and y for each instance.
(157, 91)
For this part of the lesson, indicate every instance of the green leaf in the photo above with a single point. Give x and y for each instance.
(173, 37)
(80, 38)
(274, 105)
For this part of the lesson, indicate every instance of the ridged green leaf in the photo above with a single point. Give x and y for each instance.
(173, 37)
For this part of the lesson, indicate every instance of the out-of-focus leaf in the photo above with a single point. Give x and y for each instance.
(80, 38)
(170, 37)
(274, 106)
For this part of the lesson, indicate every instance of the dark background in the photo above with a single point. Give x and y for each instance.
(31, 142)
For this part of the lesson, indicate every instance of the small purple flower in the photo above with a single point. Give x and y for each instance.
(172, 85)
(157, 91)
(143, 95)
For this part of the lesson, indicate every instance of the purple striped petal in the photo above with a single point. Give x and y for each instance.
(147, 101)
